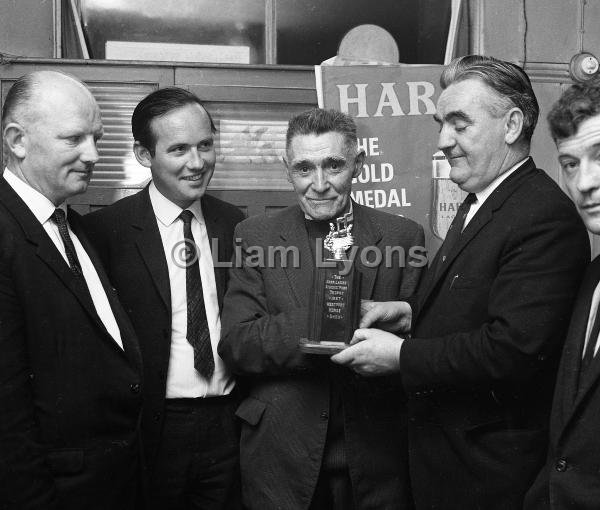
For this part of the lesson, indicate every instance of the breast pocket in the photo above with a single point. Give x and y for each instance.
(459, 282)
(65, 461)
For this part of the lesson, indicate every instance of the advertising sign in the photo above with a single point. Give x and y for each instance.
(403, 173)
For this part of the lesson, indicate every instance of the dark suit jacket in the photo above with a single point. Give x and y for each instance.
(285, 416)
(571, 476)
(70, 397)
(481, 365)
(129, 243)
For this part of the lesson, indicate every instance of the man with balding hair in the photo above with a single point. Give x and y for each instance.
(70, 383)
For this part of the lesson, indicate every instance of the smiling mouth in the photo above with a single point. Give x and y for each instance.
(320, 200)
(591, 207)
(193, 178)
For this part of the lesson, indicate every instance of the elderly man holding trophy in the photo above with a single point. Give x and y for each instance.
(315, 434)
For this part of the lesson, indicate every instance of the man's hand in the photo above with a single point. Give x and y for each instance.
(393, 316)
(372, 352)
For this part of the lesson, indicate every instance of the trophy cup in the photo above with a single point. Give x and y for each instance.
(335, 305)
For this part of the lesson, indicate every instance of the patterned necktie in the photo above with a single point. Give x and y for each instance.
(198, 334)
(454, 232)
(60, 219)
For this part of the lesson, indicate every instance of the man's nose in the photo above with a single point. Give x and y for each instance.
(445, 139)
(588, 177)
(195, 162)
(89, 151)
(320, 182)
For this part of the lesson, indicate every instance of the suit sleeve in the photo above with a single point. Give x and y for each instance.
(255, 340)
(417, 263)
(528, 310)
(25, 481)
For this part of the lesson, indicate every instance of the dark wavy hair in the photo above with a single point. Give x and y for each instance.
(578, 103)
(508, 80)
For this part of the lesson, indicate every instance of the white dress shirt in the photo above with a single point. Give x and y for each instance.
(483, 195)
(43, 209)
(183, 381)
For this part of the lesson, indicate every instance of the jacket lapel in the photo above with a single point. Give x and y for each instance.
(293, 235)
(366, 234)
(483, 216)
(46, 251)
(130, 345)
(215, 231)
(578, 385)
(149, 245)
(566, 393)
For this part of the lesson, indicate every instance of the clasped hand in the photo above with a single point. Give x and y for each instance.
(374, 352)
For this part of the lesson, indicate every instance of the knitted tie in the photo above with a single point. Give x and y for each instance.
(198, 334)
(454, 232)
(60, 219)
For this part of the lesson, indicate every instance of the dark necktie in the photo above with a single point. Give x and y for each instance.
(60, 219)
(454, 232)
(198, 334)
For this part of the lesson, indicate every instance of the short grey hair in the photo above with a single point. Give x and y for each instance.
(319, 121)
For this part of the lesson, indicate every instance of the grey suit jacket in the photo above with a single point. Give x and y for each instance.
(285, 417)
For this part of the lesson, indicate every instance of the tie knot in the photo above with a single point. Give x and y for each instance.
(470, 199)
(59, 216)
(187, 216)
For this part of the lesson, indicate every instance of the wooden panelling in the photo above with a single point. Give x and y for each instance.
(255, 95)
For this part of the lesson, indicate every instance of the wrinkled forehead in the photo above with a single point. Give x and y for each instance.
(464, 95)
(587, 136)
(315, 146)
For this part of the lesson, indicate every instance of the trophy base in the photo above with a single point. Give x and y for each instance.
(328, 348)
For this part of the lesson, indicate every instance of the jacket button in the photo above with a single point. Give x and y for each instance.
(561, 465)
(324, 415)
(134, 387)
(156, 417)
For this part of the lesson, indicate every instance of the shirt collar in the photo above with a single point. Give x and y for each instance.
(483, 195)
(41, 207)
(166, 211)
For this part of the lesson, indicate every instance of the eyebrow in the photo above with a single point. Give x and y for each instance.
(334, 159)
(567, 154)
(325, 162)
(302, 163)
(452, 116)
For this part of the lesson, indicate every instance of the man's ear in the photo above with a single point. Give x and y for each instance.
(358, 164)
(142, 154)
(514, 125)
(14, 138)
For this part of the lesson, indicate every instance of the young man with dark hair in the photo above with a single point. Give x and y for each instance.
(570, 478)
(156, 246)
